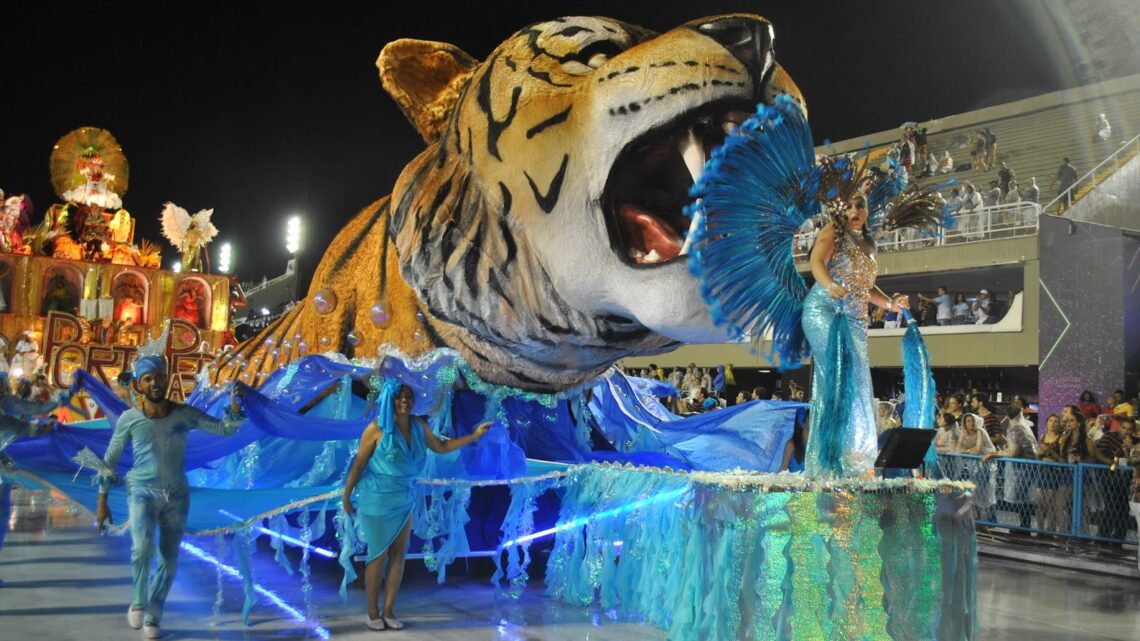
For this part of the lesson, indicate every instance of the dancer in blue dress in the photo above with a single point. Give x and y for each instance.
(843, 263)
(391, 455)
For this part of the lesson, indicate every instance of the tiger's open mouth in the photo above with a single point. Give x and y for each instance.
(648, 187)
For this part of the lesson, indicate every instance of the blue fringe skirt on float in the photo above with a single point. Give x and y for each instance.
(842, 435)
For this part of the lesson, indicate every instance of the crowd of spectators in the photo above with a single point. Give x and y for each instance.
(944, 308)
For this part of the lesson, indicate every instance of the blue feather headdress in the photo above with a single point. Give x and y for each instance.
(756, 191)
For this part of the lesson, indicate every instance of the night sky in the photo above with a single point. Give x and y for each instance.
(261, 112)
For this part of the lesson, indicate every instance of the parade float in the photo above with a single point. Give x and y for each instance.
(79, 291)
(544, 233)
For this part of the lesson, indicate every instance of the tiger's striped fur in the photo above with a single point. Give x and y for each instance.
(493, 241)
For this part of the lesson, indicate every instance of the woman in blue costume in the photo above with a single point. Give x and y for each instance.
(844, 267)
(391, 455)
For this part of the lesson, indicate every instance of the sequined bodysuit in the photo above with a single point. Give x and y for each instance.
(855, 270)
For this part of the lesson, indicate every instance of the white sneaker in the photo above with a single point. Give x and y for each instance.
(152, 632)
(374, 624)
(393, 623)
(135, 617)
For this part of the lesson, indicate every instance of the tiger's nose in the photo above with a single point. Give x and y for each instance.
(748, 38)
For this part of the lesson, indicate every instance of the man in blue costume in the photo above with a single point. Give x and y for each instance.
(158, 493)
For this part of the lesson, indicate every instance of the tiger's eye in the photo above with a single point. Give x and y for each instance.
(597, 60)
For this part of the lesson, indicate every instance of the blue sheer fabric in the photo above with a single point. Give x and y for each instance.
(303, 423)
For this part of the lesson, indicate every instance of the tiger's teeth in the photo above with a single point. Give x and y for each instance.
(693, 153)
(652, 257)
(692, 230)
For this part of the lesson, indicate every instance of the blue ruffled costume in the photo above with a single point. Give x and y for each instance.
(386, 491)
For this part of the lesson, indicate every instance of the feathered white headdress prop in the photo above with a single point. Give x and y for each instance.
(182, 229)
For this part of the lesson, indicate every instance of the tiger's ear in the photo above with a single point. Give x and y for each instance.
(425, 79)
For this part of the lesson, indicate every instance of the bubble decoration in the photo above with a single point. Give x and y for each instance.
(420, 317)
(325, 342)
(380, 314)
(325, 301)
(269, 342)
(302, 347)
(418, 335)
(352, 337)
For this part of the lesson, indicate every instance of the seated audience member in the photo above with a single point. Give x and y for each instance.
(741, 398)
(946, 163)
(759, 394)
(779, 395)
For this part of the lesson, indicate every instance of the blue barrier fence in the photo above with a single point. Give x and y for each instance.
(1086, 501)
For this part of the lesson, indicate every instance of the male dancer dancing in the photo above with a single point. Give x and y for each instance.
(157, 490)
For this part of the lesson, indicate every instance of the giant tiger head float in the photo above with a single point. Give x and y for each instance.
(540, 233)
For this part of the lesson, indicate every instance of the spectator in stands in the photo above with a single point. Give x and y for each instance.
(1032, 192)
(946, 163)
(993, 195)
(954, 404)
(906, 148)
(961, 310)
(759, 394)
(691, 381)
(1113, 399)
(1103, 129)
(945, 314)
(1122, 407)
(706, 379)
(891, 319)
(1089, 407)
(1005, 178)
(741, 398)
(982, 307)
(779, 395)
(1066, 178)
(1074, 440)
(971, 204)
(1107, 449)
(923, 314)
(973, 439)
(920, 146)
(954, 203)
(931, 165)
(1013, 196)
(1019, 444)
(1053, 495)
(991, 148)
(677, 379)
(980, 404)
(978, 151)
(878, 316)
(946, 440)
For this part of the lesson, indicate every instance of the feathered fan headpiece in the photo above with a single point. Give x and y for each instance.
(756, 191)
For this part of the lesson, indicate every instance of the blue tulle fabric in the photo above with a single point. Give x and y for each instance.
(287, 456)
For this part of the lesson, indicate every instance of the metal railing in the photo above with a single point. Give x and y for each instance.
(986, 223)
(1094, 177)
(1081, 500)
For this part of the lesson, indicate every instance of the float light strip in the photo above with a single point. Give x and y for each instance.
(597, 516)
(284, 607)
(328, 554)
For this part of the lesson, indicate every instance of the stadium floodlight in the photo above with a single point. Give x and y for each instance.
(225, 258)
(293, 235)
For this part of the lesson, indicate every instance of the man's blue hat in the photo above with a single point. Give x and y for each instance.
(149, 364)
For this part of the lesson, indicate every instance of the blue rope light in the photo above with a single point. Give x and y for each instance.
(320, 631)
(597, 516)
(328, 554)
